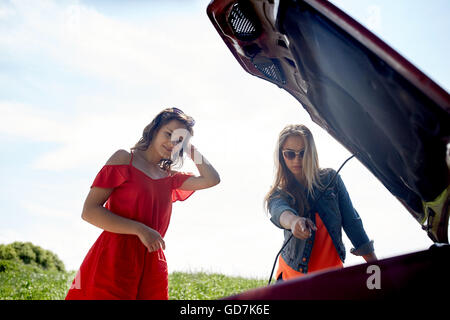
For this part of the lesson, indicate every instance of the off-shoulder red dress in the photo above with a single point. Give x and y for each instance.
(119, 266)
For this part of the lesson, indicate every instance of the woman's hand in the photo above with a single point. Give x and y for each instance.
(151, 238)
(301, 227)
(371, 257)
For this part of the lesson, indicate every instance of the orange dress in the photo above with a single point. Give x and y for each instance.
(323, 255)
(119, 266)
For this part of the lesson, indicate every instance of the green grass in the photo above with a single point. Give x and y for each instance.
(206, 286)
(19, 281)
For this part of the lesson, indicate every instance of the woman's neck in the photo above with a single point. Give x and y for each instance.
(300, 179)
(150, 156)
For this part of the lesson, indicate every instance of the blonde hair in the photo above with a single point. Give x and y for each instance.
(153, 128)
(285, 180)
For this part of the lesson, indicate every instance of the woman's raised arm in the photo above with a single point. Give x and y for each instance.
(208, 175)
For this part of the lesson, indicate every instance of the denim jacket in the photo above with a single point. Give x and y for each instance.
(335, 210)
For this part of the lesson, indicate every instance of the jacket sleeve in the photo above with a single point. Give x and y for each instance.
(277, 205)
(352, 223)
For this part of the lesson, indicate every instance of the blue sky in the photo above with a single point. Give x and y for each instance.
(81, 79)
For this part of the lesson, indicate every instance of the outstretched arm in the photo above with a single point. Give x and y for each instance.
(300, 227)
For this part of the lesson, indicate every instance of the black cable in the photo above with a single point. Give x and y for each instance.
(312, 209)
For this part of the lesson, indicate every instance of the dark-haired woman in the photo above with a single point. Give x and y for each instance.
(317, 232)
(127, 260)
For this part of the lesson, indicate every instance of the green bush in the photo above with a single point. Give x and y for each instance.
(29, 253)
(7, 252)
(8, 265)
(24, 251)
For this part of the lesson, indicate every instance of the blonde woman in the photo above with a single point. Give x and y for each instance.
(127, 260)
(317, 232)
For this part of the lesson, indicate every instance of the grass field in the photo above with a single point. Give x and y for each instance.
(19, 281)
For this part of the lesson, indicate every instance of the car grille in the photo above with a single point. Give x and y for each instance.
(271, 69)
(242, 23)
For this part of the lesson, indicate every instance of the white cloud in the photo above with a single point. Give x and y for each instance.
(82, 140)
(84, 40)
(157, 62)
(26, 121)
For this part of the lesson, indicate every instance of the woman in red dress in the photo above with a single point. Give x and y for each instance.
(127, 260)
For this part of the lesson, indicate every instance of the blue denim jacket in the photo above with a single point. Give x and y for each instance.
(336, 211)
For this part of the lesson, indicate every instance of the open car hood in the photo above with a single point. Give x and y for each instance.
(385, 111)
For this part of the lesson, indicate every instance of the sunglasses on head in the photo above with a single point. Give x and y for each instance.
(290, 154)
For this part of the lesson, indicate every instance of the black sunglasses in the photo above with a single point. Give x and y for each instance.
(290, 155)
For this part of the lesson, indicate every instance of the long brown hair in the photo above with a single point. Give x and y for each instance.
(153, 127)
(285, 180)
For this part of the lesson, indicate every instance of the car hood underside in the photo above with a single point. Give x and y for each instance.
(387, 113)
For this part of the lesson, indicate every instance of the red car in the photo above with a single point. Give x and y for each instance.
(384, 110)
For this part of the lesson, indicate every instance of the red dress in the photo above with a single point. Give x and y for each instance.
(119, 266)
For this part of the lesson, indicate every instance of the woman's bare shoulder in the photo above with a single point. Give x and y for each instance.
(119, 157)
